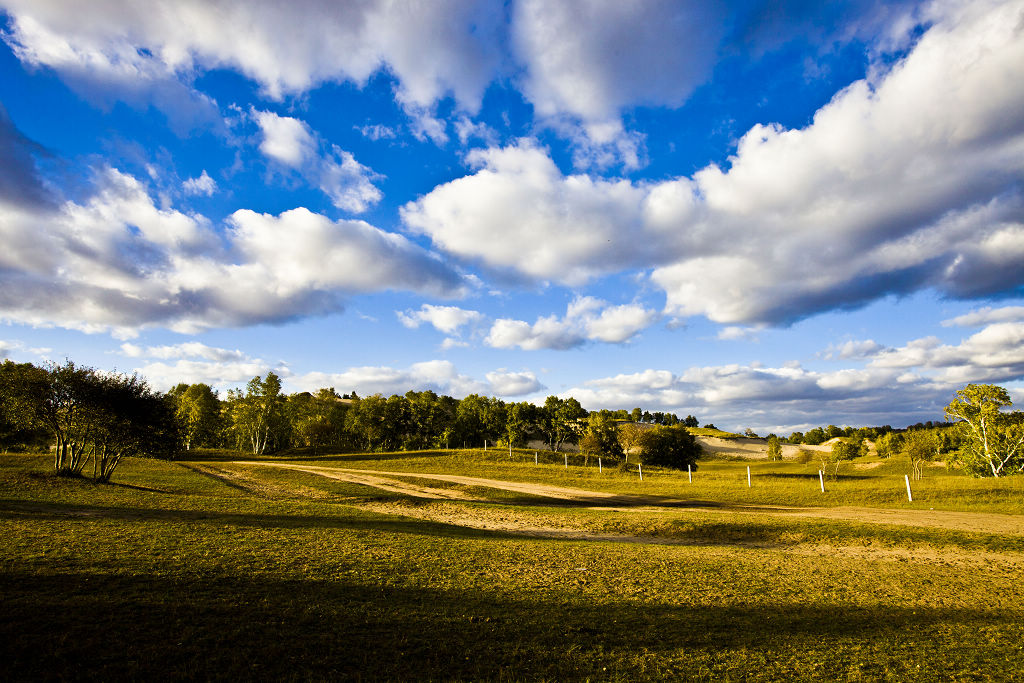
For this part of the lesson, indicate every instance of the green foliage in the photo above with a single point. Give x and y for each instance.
(256, 418)
(197, 411)
(601, 437)
(673, 447)
(993, 441)
(774, 448)
(920, 447)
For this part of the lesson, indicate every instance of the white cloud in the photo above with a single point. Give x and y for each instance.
(994, 354)
(736, 332)
(519, 212)
(440, 376)
(431, 49)
(467, 130)
(218, 374)
(910, 180)
(285, 139)
(117, 263)
(336, 172)
(506, 383)
(854, 350)
(376, 132)
(203, 185)
(983, 316)
(592, 60)
(183, 350)
(447, 319)
(586, 319)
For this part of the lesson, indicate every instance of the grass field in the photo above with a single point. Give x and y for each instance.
(210, 569)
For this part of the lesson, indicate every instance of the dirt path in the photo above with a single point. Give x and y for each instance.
(983, 522)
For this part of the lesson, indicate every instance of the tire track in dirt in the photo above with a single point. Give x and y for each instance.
(983, 522)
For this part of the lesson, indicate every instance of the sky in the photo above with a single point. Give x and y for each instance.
(773, 215)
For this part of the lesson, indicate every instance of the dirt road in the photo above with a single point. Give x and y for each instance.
(397, 482)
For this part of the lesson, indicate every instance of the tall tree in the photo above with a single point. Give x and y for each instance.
(994, 440)
(257, 414)
(673, 447)
(197, 411)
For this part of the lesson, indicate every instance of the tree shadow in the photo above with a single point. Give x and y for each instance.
(109, 626)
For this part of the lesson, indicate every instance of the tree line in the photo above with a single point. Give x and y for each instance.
(95, 418)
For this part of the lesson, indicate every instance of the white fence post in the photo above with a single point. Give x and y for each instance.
(689, 473)
(910, 496)
(821, 478)
(641, 469)
(599, 468)
(748, 476)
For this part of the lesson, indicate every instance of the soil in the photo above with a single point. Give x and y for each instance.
(983, 522)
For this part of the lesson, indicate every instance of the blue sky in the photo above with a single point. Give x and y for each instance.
(768, 215)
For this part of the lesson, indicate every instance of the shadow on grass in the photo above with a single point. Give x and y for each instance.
(101, 626)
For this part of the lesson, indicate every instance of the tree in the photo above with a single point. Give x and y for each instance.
(601, 437)
(630, 438)
(129, 420)
(774, 448)
(317, 420)
(842, 450)
(636, 415)
(559, 420)
(519, 419)
(21, 388)
(994, 440)
(691, 421)
(673, 447)
(196, 409)
(888, 444)
(257, 415)
(920, 447)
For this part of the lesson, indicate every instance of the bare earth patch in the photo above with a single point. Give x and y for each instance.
(984, 522)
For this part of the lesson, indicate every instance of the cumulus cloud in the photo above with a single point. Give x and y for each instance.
(440, 376)
(994, 354)
(986, 315)
(11, 348)
(895, 386)
(908, 180)
(854, 350)
(447, 319)
(287, 140)
(506, 383)
(195, 362)
(117, 262)
(291, 143)
(768, 398)
(183, 350)
(203, 185)
(433, 50)
(103, 66)
(586, 319)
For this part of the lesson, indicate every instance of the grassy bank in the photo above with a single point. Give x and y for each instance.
(174, 573)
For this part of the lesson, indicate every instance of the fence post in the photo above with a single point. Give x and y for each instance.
(641, 469)
(821, 478)
(689, 473)
(599, 468)
(748, 476)
(567, 460)
(535, 457)
(910, 496)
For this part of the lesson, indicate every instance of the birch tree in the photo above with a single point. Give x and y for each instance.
(994, 440)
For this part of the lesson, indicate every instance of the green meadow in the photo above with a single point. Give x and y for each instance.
(217, 570)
